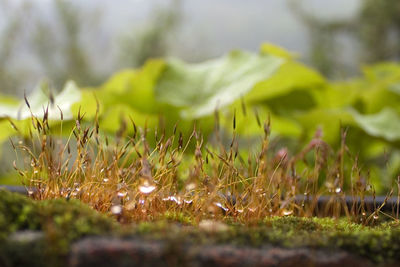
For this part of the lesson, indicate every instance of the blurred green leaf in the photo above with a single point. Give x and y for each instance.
(135, 88)
(39, 100)
(383, 72)
(290, 76)
(385, 124)
(120, 115)
(8, 100)
(328, 120)
(271, 49)
(247, 124)
(5, 130)
(395, 88)
(198, 89)
(341, 94)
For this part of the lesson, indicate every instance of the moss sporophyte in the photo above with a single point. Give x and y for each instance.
(149, 181)
(142, 175)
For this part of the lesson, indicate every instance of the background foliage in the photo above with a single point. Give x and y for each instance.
(273, 83)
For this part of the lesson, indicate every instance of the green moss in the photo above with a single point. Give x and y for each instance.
(64, 221)
(178, 217)
(16, 212)
(379, 243)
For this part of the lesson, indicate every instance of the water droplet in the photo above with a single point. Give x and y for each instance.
(252, 209)
(221, 206)
(287, 212)
(116, 209)
(338, 190)
(329, 185)
(146, 188)
(122, 193)
(173, 199)
(130, 205)
(190, 186)
(188, 201)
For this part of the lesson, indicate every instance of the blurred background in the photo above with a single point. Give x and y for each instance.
(88, 40)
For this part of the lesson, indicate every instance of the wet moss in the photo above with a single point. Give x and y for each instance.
(379, 243)
(63, 222)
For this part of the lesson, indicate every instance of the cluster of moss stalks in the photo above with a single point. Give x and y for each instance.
(174, 188)
(64, 221)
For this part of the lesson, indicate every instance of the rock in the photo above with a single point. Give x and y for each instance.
(23, 248)
(113, 252)
(102, 252)
(231, 256)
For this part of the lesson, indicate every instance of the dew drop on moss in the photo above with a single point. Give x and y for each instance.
(116, 209)
(146, 188)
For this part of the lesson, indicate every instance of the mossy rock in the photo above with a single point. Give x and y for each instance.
(64, 222)
(61, 221)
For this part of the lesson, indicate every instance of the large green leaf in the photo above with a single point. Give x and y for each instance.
(112, 119)
(133, 88)
(5, 130)
(383, 72)
(247, 124)
(328, 120)
(395, 88)
(340, 94)
(271, 49)
(198, 89)
(384, 124)
(39, 100)
(290, 76)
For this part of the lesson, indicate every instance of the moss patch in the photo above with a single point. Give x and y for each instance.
(65, 221)
(61, 221)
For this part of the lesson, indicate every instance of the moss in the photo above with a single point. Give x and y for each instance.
(16, 212)
(64, 221)
(178, 217)
(379, 243)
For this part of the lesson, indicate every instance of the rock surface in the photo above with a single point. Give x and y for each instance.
(104, 252)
